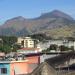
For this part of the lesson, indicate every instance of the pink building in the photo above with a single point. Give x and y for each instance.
(19, 67)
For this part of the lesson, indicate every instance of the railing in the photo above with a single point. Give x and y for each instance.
(66, 72)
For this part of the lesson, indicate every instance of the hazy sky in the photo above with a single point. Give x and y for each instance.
(33, 8)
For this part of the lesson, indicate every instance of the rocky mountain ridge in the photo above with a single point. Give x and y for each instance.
(55, 23)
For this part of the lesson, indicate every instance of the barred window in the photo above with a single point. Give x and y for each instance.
(3, 70)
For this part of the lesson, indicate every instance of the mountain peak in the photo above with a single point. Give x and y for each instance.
(19, 18)
(56, 10)
(52, 23)
(56, 14)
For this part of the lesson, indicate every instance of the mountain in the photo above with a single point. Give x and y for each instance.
(56, 14)
(55, 23)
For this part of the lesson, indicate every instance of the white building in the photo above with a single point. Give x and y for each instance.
(57, 42)
(27, 42)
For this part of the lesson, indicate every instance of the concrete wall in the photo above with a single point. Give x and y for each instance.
(19, 68)
(24, 67)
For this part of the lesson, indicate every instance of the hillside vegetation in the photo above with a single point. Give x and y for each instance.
(55, 24)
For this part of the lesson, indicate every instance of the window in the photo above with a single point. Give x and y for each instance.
(31, 44)
(30, 40)
(3, 70)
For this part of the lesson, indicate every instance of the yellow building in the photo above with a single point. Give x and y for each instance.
(26, 42)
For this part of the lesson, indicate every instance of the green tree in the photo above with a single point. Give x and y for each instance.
(63, 48)
(9, 40)
(1, 48)
(70, 38)
(72, 48)
(5, 48)
(53, 47)
(6, 44)
(46, 50)
(40, 37)
(15, 47)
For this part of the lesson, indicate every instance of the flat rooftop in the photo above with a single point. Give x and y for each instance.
(13, 61)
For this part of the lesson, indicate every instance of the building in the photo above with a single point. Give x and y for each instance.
(57, 42)
(44, 69)
(29, 50)
(19, 67)
(13, 67)
(26, 42)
